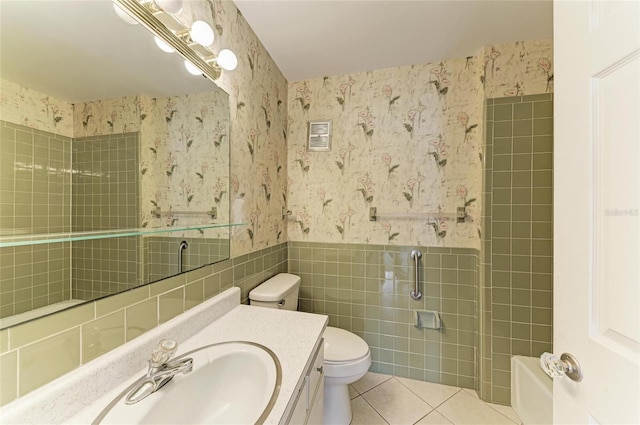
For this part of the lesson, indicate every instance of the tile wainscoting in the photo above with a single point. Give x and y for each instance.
(362, 288)
(35, 353)
(365, 289)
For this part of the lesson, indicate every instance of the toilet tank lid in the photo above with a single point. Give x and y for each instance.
(276, 288)
(343, 346)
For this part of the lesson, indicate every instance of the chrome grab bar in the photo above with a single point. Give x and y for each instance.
(183, 245)
(158, 213)
(460, 215)
(415, 292)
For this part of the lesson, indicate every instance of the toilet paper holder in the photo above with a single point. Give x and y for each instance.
(428, 319)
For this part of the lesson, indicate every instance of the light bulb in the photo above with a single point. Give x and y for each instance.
(193, 70)
(227, 60)
(163, 45)
(124, 15)
(170, 6)
(201, 33)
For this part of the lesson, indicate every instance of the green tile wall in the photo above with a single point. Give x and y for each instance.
(35, 197)
(365, 289)
(161, 258)
(36, 352)
(516, 291)
(105, 196)
(105, 266)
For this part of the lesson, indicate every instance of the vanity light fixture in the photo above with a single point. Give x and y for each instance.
(124, 15)
(201, 33)
(163, 46)
(169, 6)
(192, 44)
(227, 60)
(154, 6)
(193, 70)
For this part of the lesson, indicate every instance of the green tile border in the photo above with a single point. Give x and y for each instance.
(515, 292)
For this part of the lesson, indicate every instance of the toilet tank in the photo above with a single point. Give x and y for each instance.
(281, 291)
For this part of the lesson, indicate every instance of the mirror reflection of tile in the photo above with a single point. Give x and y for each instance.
(99, 154)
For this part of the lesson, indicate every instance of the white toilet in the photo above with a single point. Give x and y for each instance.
(346, 356)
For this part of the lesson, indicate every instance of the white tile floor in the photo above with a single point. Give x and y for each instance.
(384, 399)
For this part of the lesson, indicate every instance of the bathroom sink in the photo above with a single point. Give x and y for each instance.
(231, 383)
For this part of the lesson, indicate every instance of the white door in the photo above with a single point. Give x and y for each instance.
(597, 209)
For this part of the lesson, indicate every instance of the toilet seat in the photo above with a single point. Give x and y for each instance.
(341, 347)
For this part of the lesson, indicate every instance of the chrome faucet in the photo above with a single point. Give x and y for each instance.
(160, 371)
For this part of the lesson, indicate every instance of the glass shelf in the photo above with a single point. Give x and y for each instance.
(24, 240)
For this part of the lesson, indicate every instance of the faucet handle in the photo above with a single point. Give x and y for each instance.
(165, 349)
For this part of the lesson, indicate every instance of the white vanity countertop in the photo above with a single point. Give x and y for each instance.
(291, 335)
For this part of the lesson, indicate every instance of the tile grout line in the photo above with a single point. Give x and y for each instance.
(489, 405)
(451, 420)
(354, 389)
(423, 400)
(424, 417)
(433, 407)
(445, 416)
(377, 385)
(394, 378)
(374, 409)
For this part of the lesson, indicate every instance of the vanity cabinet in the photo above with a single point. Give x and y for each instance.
(309, 397)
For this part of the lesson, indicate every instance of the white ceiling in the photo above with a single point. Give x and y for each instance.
(79, 50)
(316, 38)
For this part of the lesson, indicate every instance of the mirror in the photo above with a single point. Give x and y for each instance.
(101, 131)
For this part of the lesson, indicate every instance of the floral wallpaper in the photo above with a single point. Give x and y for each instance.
(518, 69)
(28, 107)
(22, 105)
(191, 129)
(106, 116)
(184, 152)
(258, 103)
(405, 140)
(185, 158)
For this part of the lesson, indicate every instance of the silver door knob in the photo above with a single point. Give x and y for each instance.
(565, 365)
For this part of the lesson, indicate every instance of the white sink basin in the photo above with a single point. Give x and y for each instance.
(231, 383)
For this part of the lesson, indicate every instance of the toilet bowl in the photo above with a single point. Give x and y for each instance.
(346, 356)
(346, 359)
